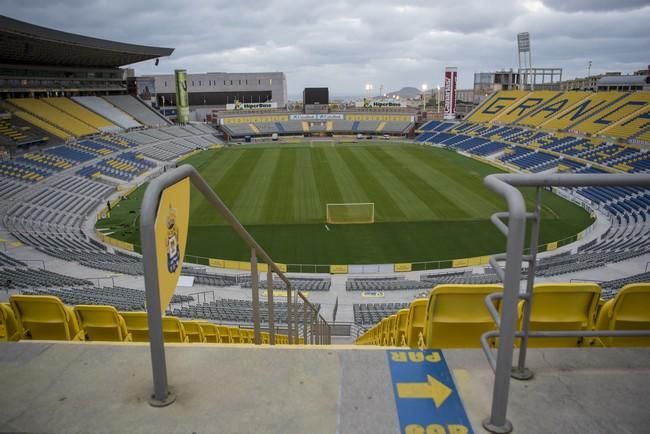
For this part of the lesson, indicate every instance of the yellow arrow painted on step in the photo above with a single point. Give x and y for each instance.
(432, 389)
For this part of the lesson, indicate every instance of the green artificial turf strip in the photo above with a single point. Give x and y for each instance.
(430, 204)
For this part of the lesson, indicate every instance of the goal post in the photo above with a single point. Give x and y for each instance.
(350, 213)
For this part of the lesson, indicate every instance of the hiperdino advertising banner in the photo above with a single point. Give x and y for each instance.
(182, 101)
(251, 105)
(379, 103)
(171, 236)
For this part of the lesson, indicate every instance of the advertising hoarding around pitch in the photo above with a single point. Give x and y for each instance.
(451, 78)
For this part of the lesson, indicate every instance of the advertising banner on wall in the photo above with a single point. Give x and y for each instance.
(379, 103)
(451, 78)
(182, 100)
(251, 105)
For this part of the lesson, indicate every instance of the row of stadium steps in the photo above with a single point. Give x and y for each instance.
(85, 115)
(455, 316)
(613, 114)
(51, 214)
(308, 388)
(241, 127)
(44, 317)
(584, 150)
(630, 235)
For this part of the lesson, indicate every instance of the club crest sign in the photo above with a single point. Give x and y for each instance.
(171, 237)
(173, 253)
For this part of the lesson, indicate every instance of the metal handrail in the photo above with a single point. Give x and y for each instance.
(507, 185)
(148, 212)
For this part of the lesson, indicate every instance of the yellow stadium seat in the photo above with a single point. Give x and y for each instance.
(194, 331)
(78, 111)
(376, 334)
(137, 324)
(301, 341)
(45, 317)
(383, 332)
(173, 330)
(400, 327)
(265, 337)
(101, 323)
(416, 322)
(235, 335)
(247, 336)
(617, 111)
(210, 332)
(457, 316)
(391, 337)
(10, 328)
(497, 104)
(52, 115)
(562, 307)
(224, 334)
(629, 310)
(582, 110)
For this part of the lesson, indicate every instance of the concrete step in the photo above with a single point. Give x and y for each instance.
(94, 387)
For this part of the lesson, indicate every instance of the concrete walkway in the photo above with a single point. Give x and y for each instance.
(97, 388)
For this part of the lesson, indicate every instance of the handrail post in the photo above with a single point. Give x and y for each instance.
(289, 314)
(271, 308)
(521, 372)
(256, 297)
(497, 421)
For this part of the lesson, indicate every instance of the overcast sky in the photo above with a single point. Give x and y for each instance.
(346, 44)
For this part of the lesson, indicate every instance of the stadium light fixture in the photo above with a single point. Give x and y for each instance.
(369, 89)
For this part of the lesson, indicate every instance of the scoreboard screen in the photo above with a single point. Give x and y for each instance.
(315, 95)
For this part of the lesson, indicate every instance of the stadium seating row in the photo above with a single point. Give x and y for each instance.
(455, 316)
(80, 116)
(612, 114)
(286, 127)
(39, 317)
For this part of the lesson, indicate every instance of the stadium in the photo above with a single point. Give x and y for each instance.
(316, 268)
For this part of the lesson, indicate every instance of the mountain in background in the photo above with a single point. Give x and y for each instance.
(406, 92)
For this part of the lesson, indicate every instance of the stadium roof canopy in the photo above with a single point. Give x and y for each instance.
(24, 43)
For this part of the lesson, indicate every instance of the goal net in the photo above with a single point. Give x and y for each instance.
(350, 213)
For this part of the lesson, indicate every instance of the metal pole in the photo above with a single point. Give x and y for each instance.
(295, 317)
(312, 328)
(521, 372)
(497, 421)
(161, 396)
(269, 298)
(304, 322)
(289, 314)
(256, 297)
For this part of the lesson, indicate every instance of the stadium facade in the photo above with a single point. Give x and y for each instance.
(38, 61)
(222, 88)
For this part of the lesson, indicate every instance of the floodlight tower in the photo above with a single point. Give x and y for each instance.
(424, 97)
(525, 58)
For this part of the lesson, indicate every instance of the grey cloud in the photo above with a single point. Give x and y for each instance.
(595, 5)
(344, 44)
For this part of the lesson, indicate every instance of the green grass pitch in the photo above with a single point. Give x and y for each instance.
(430, 204)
